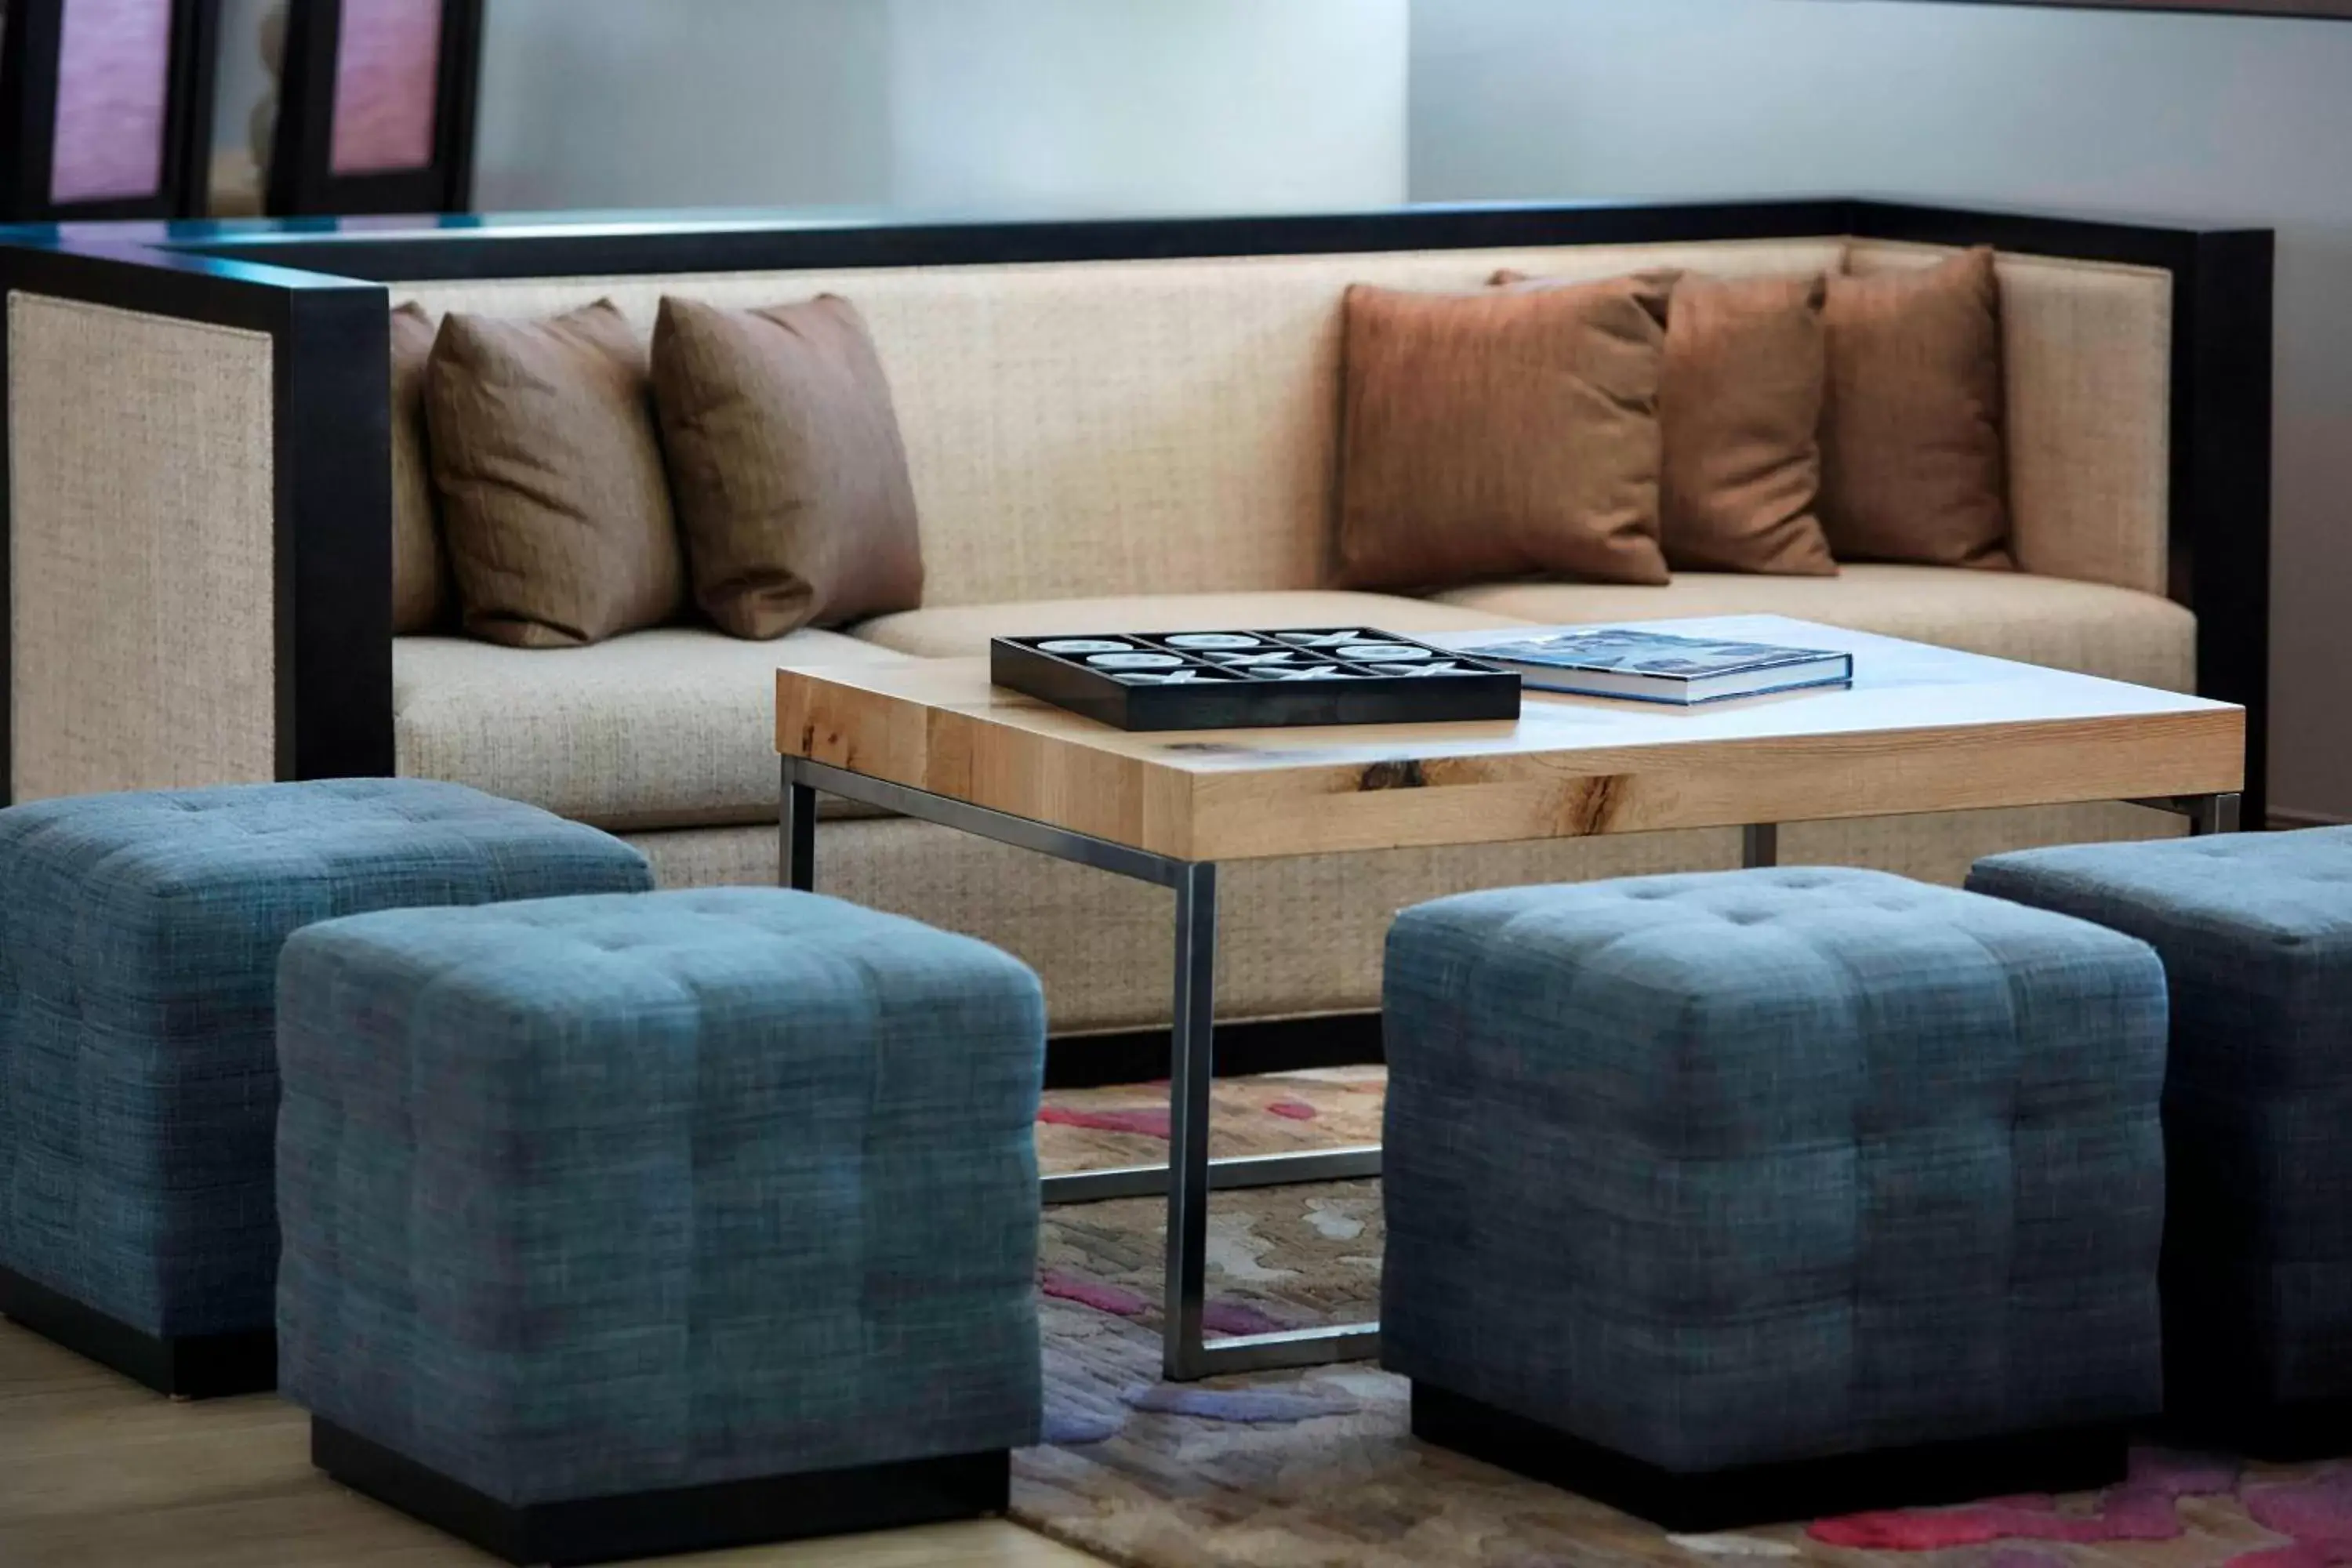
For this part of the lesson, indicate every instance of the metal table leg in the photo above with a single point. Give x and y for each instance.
(2206, 813)
(796, 832)
(2212, 814)
(1190, 1177)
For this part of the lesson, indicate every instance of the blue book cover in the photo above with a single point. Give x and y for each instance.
(1655, 667)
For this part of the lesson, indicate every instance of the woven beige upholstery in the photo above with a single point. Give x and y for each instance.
(2088, 351)
(2085, 627)
(966, 628)
(141, 545)
(659, 729)
(1294, 936)
(1117, 427)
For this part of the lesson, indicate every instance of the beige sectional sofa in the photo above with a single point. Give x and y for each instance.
(1096, 442)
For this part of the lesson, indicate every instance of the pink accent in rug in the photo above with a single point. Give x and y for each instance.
(1116, 1300)
(2141, 1509)
(1248, 1406)
(1148, 1123)
(1293, 1109)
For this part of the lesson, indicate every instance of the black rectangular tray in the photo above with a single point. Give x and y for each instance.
(1219, 679)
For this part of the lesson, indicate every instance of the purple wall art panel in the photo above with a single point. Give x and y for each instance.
(114, 63)
(387, 62)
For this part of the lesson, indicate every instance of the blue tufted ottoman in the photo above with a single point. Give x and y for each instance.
(1766, 1195)
(2255, 930)
(621, 1226)
(139, 940)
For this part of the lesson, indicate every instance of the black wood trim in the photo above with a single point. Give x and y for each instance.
(1929, 1475)
(1243, 1049)
(520, 248)
(680, 1519)
(2221, 393)
(29, 53)
(333, 477)
(302, 179)
(192, 1366)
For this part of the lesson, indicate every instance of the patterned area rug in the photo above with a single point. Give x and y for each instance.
(1306, 1468)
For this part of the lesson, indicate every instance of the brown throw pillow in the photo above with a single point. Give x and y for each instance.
(420, 594)
(553, 502)
(1502, 434)
(789, 476)
(1912, 466)
(1739, 407)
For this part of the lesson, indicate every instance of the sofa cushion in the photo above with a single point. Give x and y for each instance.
(1489, 435)
(786, 465)
(553, 501)
(2088, 627)
(421, 595)
(671, 728)
(1911, 461)
(964, 629)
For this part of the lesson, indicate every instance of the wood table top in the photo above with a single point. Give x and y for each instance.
(1923, 729)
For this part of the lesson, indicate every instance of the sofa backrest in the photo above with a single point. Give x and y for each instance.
(1103, 428)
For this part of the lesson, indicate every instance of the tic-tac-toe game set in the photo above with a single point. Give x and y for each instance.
(1244, 680)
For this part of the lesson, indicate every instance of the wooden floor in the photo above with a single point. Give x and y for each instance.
(96, 1472)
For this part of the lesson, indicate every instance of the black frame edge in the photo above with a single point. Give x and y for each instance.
(750, 1512)
(28, 106)
(2221, 439)
(199, 1366)
(332, 469)
(1928, 1474)
(301, 177)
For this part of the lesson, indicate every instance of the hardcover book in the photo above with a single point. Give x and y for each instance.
(1654, 667)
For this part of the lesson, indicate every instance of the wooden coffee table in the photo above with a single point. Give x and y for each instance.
(1923, 730)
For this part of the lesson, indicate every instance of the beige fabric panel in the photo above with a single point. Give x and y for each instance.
(1118, 427)
(2088, 627)
(139, 503)
(2088, 351)
(658, 729)
(955, 631)
(1294, 936)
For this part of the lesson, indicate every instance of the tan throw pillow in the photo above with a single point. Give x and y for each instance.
(553, 503)
(1739, 407)
(1502, 434)
(419, 574)
(1912, 466)
(784, 455)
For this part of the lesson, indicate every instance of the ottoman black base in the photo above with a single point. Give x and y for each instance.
(194, 1366)
(2074, 1460)
(2288, 1433)
(684, 1519)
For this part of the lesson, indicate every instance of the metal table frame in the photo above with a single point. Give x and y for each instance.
(1190, 1177)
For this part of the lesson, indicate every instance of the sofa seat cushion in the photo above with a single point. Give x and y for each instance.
(2088, 627)
(956, 631)
(672, 728)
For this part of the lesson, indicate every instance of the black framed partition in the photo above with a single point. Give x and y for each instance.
(318, 291)
(106, 108)
(375, 108)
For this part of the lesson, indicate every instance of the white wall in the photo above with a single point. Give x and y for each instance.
(951, 105)
(1148, 105)
(2202, 119)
